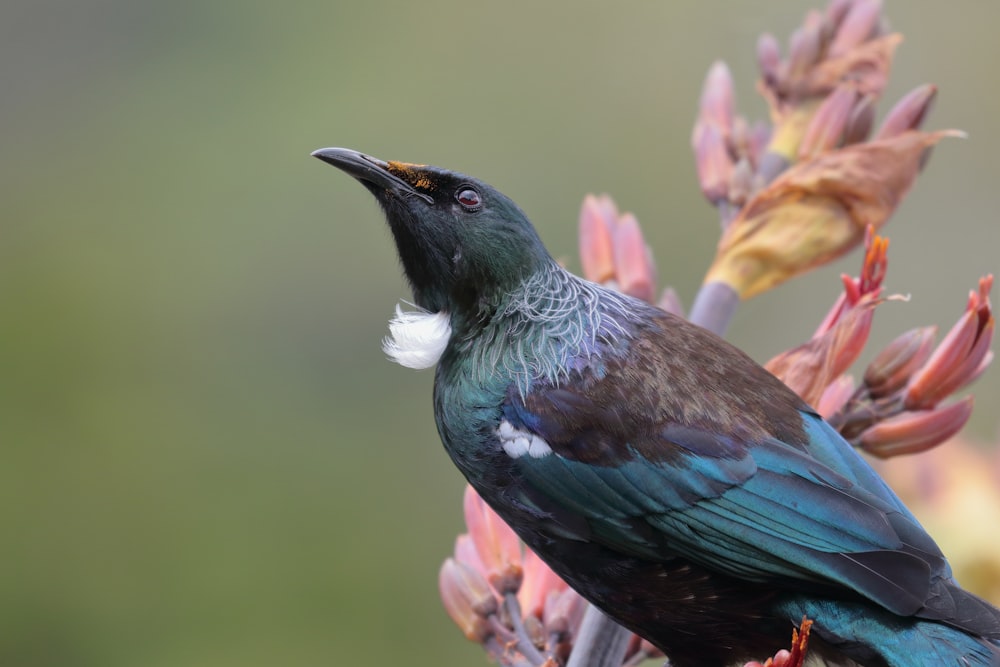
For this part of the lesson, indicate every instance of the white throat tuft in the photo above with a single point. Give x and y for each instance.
(417, 339)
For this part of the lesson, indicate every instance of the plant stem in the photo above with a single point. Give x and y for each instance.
(600, 642)
(714, 307)
(524, 643)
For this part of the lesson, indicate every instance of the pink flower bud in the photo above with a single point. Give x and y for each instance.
(836, 11)
(564, 611)
(718, 100)
(633, 261)
(769, 58)
(826, 129)
(909, 113)
(671, 302)
(892, 367)
(810, 368)
(596, 246)
(959, 357)
(911, 432)
(861, 120)
(857, 26)
(835, 396)
(496, 543)
(465, 553)
(539, 582)
(467, 598)
(805, 49)
(713, 163)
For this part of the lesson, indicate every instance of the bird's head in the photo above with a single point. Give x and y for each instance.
(463, 244)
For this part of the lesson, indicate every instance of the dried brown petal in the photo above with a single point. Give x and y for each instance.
(816, 211)
(867, 65)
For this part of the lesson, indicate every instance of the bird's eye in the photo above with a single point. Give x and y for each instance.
(469, 199)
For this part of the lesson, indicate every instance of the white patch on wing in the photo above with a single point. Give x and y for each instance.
(517, 443)
(417, 339)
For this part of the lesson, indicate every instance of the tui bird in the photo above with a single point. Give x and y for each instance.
(666, 476)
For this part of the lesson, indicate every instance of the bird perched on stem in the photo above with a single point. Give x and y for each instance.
(662, 473)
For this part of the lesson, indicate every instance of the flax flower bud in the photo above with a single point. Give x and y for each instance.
(598, 216)
(912, 432)
(564, 611)
(633, 260)
(613, 251)
(961, 356)
(826, 129)
(835, 396)
(717, 105)
(539, 582)
(670, 301)
(857, 25)
(713, 163)
(909, 112)
(467, 598)
(497, 545)
(465, 553)
(809, 369)
(860, 123)
(769, 59)
(893, 366)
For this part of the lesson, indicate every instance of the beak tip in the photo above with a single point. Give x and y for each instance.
(326, 154)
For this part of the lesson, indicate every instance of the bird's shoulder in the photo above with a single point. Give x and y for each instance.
(663, 376)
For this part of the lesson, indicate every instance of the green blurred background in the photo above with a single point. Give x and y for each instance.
(205, 458)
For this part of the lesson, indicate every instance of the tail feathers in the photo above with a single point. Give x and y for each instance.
(964, 610)
(872, 636)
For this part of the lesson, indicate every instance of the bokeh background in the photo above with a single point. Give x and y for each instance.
(205, 459)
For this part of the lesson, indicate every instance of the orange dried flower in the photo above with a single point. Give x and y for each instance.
(817, 211)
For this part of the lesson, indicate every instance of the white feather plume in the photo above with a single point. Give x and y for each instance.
(417, 339)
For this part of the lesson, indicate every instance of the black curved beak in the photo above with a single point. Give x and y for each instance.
(372, 172)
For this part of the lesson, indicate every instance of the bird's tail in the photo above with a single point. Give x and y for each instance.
(871, 636)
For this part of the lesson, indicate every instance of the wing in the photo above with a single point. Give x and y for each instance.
(721, 464)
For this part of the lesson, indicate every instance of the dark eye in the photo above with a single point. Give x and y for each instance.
(469, 198)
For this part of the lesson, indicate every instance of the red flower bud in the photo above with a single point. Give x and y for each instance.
(961, 355)
(911, 432)
(496, 543)
(467, 598)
